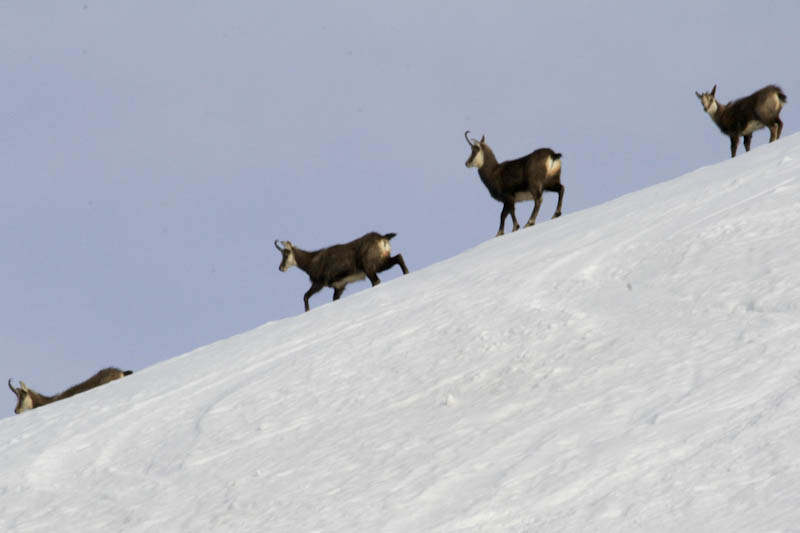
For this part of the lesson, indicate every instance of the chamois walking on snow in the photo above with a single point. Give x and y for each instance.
(341, 264)
(746, 115)
(30, 399)
(518, 180)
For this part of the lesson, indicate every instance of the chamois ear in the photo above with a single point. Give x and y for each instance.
(287, 244)
(483, 139)
(23, 386)
(714, 90)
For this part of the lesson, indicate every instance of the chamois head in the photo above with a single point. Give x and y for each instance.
(476, 157)
(24, 400)
(708, 100)
(287, 252)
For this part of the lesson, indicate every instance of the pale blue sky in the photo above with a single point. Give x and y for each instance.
(152, 151)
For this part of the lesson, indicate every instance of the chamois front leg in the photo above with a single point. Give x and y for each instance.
(734, 144)
(337, 293)
(747, 139)
(503, 214)
(315, 288)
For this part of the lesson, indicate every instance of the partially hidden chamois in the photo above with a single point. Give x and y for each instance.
(746, 115)
(338, 265)
(517, 180)
(30, 399)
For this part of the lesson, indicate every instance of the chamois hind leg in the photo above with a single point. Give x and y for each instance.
(734, 144)
(315, 288)
(337, 293)
(396, 260)
(537, 204)
(560, 190)
(780, 127)
(747, 139)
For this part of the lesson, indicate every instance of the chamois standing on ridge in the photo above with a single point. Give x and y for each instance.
(30, 399)
(746, 115)
(517, 180)
(338, 265)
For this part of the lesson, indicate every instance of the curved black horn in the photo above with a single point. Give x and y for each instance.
(466, 133)
(278, 247)
(10, 386)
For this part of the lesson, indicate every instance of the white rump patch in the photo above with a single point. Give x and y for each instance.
(553, 166)
(385, 247)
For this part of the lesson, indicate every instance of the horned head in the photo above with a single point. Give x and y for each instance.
(476, 157)
(287, 255)
(24, 400)
(708, 100)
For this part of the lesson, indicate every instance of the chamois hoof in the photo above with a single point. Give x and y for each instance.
(556, 215)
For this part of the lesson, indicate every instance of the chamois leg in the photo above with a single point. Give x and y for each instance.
(508, 207)
(734, 144)
(373, 278)
(747, 139)
(315, 288)
(337, 293)
(560, 191)
(396, 260)
(780, 128)
(537, 203)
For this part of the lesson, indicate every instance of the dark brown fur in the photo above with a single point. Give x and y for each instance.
(101, 378)
(761, 107)
(517, 180)
(330, 267)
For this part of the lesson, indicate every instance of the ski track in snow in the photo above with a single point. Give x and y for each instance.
(634, 366)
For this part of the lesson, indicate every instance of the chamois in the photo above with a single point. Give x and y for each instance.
(520, 179)
(746, 115)
(30, 399)
(338, 265)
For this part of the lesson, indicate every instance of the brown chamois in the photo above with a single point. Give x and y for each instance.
(30, 399)
(338, 265)
(746, 115)
(518, 180)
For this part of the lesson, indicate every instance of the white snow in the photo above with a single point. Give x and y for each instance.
(631, 367)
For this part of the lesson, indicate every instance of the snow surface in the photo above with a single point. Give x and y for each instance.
(631, 367)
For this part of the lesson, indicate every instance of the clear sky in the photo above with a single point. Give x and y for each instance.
(151, 152)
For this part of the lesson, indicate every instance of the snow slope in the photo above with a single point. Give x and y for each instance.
(632, 367)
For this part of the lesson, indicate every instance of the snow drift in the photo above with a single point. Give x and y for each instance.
(631, 367)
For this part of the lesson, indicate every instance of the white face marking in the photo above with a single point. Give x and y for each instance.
(25, 405)
(477, 161)
(289, 262)
(709, 103)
